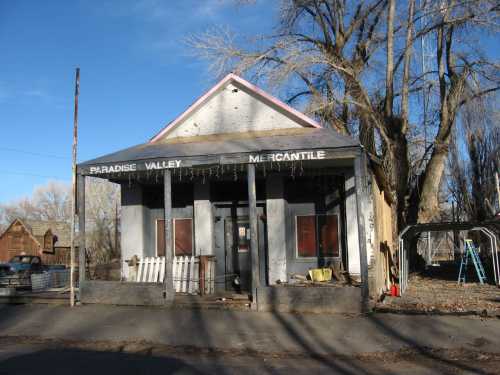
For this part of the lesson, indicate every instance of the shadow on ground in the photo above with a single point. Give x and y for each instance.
(250, 342)
(80, 362)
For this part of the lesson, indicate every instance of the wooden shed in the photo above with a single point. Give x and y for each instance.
(48, 239)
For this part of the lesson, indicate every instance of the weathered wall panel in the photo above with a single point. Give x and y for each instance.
(276, 207)
(310, 299)
(383, 249)
(120, 293)
(133, 223)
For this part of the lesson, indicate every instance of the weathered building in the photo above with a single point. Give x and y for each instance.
(258, 185)
(48, 239)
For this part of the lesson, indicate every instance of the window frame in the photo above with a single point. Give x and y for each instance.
(317, 250)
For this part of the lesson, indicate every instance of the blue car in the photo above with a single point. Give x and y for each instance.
(25, 264)
(17, 272)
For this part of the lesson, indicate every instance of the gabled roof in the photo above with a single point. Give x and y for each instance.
(233, 78)
(38, 228)
(26, 228)
(59, 229)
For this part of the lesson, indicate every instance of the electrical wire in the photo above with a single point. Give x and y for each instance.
(34, 153)
(29, 174)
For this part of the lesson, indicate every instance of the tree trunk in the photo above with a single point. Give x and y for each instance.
(400, 169)
(429, 197)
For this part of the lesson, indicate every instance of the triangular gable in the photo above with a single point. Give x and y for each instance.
(234, 105)
(28, 230)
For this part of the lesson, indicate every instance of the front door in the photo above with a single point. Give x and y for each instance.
(238, 258)
(232, 247)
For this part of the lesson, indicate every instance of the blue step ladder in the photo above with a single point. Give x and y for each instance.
(470, 251)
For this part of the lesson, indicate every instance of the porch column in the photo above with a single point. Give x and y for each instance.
(254, 244)
(203, 220)
(276, 228)
(360, 174)
(81, 228)
(167, 188)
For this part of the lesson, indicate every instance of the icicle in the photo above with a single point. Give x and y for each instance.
(264, 169)
(235, 174)
(192, 174)
(301, 168)
(203, 173)
(129, 181)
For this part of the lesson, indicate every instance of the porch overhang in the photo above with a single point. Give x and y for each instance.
(306, 146)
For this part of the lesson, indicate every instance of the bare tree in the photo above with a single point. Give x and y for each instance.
(51, 202)
(328, 58)
(473, 161)
(102, 215)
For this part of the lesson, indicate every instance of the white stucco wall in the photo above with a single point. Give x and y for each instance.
(352, 226)
(368, 218)
(204, 237)
(132, 220)
(229, 111)
(276, 229)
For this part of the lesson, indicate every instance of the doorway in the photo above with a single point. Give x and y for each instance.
(233, 250)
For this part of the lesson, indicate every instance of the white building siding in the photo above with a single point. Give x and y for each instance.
(232, 110)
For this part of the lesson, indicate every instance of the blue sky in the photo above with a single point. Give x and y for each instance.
(136, 75)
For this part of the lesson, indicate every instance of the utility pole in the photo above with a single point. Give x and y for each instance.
(497, 183)
(73, 195)
(116, 230)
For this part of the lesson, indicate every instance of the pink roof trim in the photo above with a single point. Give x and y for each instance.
(233, 77)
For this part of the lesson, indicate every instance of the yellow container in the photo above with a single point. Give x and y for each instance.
(320, 274)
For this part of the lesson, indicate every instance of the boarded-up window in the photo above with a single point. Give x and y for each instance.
(329, 236)
(160, 238)
(183, 237)
(306, 236)
(317, 235)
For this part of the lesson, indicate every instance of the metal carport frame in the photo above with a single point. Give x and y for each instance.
(413, 230)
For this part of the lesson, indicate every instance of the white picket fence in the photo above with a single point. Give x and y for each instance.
(151, 270)
(185, 273)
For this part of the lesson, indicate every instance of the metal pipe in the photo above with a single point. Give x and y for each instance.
(494, 253)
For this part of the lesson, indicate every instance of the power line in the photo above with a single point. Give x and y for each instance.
(33, 153)
(29, 174)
